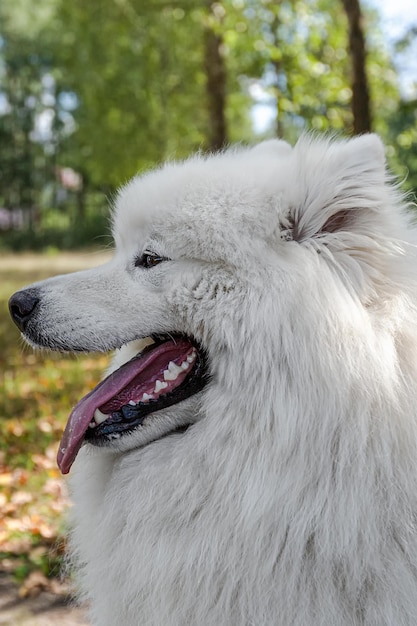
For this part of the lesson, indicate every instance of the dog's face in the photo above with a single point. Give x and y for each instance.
(196, 244)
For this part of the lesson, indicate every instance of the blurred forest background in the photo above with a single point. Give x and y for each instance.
(92, 92)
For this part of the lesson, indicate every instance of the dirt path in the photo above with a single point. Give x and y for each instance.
(45, 609)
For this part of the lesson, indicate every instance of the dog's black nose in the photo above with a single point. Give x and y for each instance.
(22, 305)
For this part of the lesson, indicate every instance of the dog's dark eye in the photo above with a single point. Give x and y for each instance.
(149, 259)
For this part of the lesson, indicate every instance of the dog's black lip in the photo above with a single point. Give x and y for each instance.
(128, 418)
(38, 341)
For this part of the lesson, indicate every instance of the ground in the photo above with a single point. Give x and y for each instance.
(43, 608)
(36, 393)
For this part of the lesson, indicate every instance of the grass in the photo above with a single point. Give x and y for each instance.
(37, 391)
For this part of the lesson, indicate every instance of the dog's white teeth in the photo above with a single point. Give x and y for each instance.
(159, 385)
(146, 397)
(191, 357)
(99, 417)
(92, 424)
(172, 372)
(132, 403)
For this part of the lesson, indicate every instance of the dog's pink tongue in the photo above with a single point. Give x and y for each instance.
(142, 366)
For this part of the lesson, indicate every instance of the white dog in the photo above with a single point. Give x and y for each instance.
(255, 463)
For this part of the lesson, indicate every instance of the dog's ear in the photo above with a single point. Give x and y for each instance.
(341, 186)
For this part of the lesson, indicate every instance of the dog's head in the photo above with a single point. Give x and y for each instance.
(208, 251)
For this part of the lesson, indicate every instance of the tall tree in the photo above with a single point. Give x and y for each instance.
(24, 66)
(215, 69)
(360, 91)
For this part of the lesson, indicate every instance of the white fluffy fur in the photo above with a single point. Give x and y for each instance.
(292, 499)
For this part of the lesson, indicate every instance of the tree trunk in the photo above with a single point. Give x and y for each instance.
(215, 89)
(278, 68)
(360, 91)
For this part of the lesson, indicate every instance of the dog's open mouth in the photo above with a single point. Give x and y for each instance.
(164, 373)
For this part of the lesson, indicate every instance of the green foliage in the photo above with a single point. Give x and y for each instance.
(137, 71)
(401, 127)
(124, 84)
(298, 51)
(402, 135)
(61, 230)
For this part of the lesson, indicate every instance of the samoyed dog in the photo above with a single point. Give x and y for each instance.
(251, 457)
